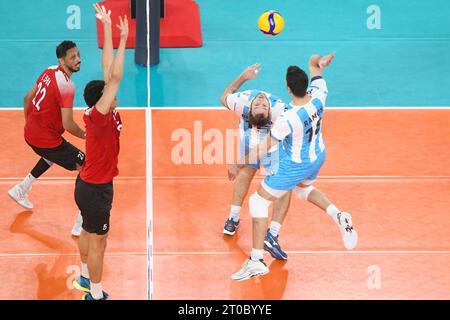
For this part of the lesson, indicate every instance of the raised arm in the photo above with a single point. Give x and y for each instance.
(111, 87)
(318, 63)
(107, 52)
(249, 73)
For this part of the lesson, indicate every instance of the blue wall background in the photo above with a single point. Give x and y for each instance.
(405, 63)
(29, 34)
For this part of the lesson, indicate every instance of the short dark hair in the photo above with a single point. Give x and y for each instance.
(297, 81)
(93, 92)
(259, 120)
(63, 47)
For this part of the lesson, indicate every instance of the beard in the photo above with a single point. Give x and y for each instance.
(260, 120)
(74, 70)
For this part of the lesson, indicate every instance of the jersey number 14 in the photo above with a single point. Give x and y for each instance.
(311, 130)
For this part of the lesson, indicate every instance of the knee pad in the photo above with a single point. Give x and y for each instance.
(259, 207)
(303, 193)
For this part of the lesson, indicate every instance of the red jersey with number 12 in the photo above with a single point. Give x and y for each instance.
(102, 146)
(44, 127)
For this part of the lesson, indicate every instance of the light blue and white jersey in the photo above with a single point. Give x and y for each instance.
(299, 128)
(250, 137)
(239, 102)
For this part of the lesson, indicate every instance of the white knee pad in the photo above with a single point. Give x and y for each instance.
(303, 193)
(259, 207)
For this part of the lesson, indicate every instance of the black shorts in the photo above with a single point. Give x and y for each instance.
(65, 155)
(95, 203)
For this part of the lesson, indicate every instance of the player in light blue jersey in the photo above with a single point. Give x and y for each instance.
(301, 156)
(257, 111)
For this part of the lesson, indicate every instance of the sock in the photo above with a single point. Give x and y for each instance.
(79, 218)
(275, 228)
(84, 270)
(96, 290)
(333, 211)
(27, 182)
(234, 213)
(257, 254)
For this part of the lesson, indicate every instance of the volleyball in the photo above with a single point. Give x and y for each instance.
(271, 23)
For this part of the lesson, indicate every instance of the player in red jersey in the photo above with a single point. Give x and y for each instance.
(94, 186)
(48, 109)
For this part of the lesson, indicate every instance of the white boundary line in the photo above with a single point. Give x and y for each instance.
(7, 179)
(149, 161)
(316, 252)
(319, 177)
(67, 178)
(205, 253)
(110, 254)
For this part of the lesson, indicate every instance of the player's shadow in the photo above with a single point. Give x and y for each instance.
(268, 287)
(274, 283)
(52, 278)
(234, 246)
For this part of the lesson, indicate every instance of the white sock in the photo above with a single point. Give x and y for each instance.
(234, 213)
(79, 218)
(96, 290)
(275, 228)
(27, 182)
(257, 254)
(84, 270)
(333, 211)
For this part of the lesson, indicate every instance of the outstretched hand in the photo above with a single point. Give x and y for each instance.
(252, 71)
(123, 26)
(101, 14)
(326, 60)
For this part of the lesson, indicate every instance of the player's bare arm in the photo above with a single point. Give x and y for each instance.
(107, 52)
(255, 154)
(249, 73)
(317, 63)
(109, 93)
(70, 125)
(27, 99)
